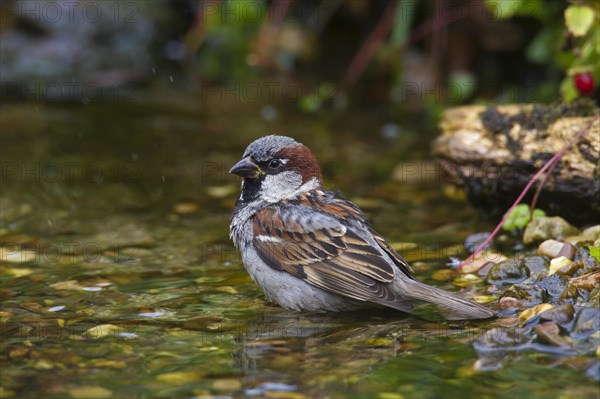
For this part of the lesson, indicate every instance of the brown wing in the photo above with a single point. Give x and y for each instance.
(325, 251)
(339, 207)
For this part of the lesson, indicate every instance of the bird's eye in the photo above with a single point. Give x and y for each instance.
(275, 163)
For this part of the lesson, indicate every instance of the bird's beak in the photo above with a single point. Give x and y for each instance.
(246, 168)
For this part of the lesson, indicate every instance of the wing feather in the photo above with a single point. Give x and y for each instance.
(327, 248)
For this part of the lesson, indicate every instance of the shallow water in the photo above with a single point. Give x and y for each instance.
(118, 278)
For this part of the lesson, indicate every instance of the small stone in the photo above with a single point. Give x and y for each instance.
(226, 384)
(500, 337)
(587, 322)
(552, 286)
(482, 259)
(180, 377)
(483, 272)
(591, 233)
(510, 303)
(549, 333)
(570, 269)
(465, 280)
(536, 265)
(16, 255)
(530, 313)
(561, 315)
(221, 191)
(227, 289)
(568, 251)
(473, 241)
(510, 271)
(545, 228)
(18, 272)
(101, 331)
(558, 263)
(550, 248)
(90, 392)
(484, 298)
(185, 208)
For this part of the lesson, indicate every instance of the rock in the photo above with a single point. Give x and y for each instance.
(591, 233)
(484, 298)
(568, 250)
(482, 259)
(499, 338)
(464, 280)
(101, 331)
(473, 241)
(530, 313)
(558, 263)
(180, 377)
(570, 269)
(549, 333)
(586, 323)
(13, 254)
(593, 299)
(552, 286)
(493, 151)
(593, 371)
(510, 303)
(186, 208)
(510, 271)
(528, 294)
(550, 248)
(561, 315)
(545, 228)
(485, 269)
(587, 282)
(536, 265)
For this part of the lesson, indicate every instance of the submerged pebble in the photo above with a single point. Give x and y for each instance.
(530, 313)
(510, 303)
(510, 271)
(549, 333)
(561, 315)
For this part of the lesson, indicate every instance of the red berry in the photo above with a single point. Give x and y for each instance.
(584, 82)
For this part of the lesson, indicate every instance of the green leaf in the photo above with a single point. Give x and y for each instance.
(540, 50)
(538, 213)
(568, 90)
(518, 218)
(595, 252)
(579, 19)
(504, 9)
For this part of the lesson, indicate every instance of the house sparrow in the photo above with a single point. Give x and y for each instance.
(310, 249)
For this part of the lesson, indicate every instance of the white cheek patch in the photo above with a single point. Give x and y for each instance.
(281, 186)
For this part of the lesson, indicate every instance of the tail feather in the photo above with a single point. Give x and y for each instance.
(452, 306)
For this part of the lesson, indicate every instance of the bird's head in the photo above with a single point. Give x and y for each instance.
(276, 168)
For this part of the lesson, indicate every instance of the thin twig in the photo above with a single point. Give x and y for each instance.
(366, 52)
(539, 190)
(544, 168)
